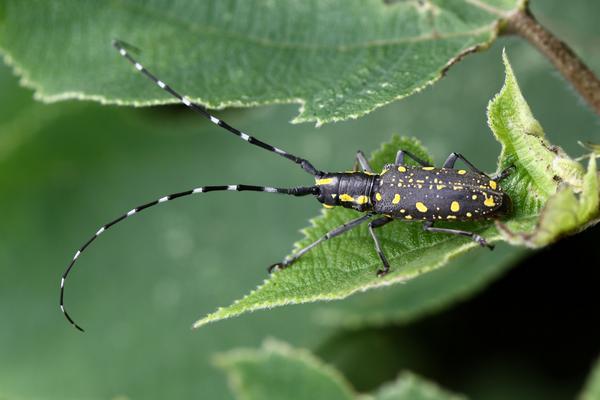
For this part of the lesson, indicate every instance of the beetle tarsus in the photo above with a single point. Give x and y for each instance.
(277, 267)
(482, 242)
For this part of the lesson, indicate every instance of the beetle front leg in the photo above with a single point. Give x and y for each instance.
(428, 226)
(331, 234)
(362, 161)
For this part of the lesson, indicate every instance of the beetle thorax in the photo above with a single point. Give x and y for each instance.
(347, 189)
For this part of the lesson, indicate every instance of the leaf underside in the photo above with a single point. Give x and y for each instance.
(347, 264)
(338, 59)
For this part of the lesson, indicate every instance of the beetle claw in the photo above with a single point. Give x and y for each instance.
(382, 272)
(277, 267)
(482, 242)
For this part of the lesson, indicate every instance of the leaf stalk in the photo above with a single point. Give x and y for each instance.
(583, 79)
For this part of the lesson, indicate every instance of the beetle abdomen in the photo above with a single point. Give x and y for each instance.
(431, 194)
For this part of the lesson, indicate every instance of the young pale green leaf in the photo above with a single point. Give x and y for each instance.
(344, 265)
(338, 59)
(591, 391)
(278, 371)
(547, 176)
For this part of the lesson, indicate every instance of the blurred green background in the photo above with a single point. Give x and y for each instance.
(67, 168)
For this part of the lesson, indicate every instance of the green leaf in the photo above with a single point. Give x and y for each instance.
(337, 268)
(409, 386)
(550, 179)
(338, 59)
(428, 293)
(342, 266)
(278, 371)
(591, 390)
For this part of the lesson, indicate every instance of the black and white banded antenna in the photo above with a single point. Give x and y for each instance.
(122, 48)
(293, 191)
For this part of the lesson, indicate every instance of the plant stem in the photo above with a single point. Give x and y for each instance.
(560, 54)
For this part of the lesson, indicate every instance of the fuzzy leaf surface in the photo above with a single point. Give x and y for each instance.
(338, 59)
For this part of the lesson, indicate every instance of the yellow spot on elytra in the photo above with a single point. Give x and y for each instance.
(396, 199)
(346, 197)
(327, 206)
(333, 195)
(489, 201)
(378, 196)
(493, 184)
(440, 187)
(324, 181)
(362, 199)
(421, 207)
(401, 169)
(454, 207)
(474, 197)
(458, 188)
(428, 168)
(407, 217)
(462, 172)
(420, 181)
(402, 210)
(451, 217)
(469, 215)
(410, 180)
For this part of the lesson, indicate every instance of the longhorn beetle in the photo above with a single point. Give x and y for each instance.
(399, 192)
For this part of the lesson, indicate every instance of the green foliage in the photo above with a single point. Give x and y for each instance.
(245, 53)
(67, 168)
(425, 294)
(277, 371)
(591, 391)
(342, 266)
(551, 180)
(411, 387)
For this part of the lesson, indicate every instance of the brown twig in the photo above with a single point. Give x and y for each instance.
(524, 24)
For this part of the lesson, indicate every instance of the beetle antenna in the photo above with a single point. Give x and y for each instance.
(295, 191)
(306, 165)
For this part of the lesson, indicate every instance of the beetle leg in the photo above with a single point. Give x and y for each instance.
(379, 222)
(362, 161)
(504, 173)
(400, 158)
(451, 160)
(333, 233)
(428, 226)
